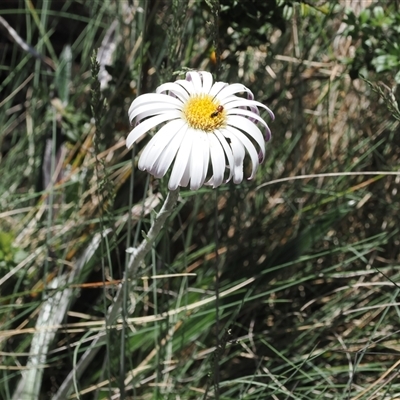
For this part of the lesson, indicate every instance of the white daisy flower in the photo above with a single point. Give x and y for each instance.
(201, 121)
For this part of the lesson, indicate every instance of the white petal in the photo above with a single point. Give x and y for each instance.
(206, 153)
(158, 143)
(253, 116)
(218, 161)
(162, 164)
(238, 155)
(187, 85)
(182, 161)
(217, 87)
(228, 152)
(177, 90)
(147, 110)
(186, 176)
(248, 127)
(196, 161)
(207, 81)
(249, 147)
(153, 98)
(195, 78)
(240, 102)
(148, 124)
(231, 89)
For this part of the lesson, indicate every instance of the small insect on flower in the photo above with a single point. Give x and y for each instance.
(217, 111)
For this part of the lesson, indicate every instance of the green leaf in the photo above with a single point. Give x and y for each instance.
(385, 62)
(287, 12)
(63, 74)
(6, 240)
(378, 12)
(364, 16)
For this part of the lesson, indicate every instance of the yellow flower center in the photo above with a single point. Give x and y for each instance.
(201, 112)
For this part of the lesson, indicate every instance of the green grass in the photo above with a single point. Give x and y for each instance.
(306, 301)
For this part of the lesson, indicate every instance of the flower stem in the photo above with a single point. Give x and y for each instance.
(137, 256)
(140, 252)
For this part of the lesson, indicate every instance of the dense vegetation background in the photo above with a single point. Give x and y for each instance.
(284, 287)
